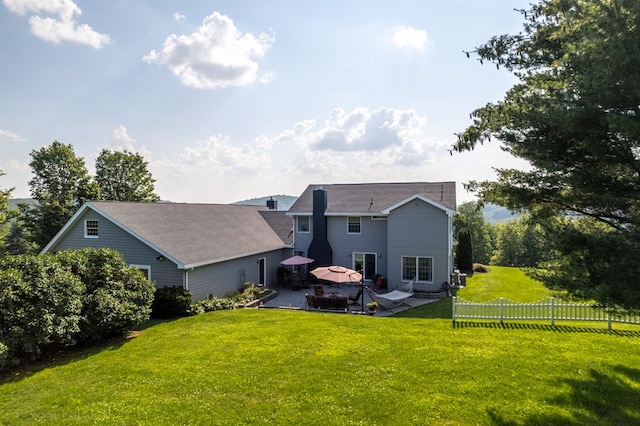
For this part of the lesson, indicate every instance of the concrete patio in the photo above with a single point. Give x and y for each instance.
(286, 298)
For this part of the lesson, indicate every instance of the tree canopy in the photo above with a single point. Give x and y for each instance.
(61, 183)
(123, 176)
(574, 116)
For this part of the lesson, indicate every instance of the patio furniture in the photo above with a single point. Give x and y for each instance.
(394, 298)
(355, 297)
(310, 301)
(318, 289)
(331, 302)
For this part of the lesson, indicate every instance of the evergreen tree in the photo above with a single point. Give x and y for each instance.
(464, 250)
(575, 116)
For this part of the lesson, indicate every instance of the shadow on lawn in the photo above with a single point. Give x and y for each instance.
(597, 399)
(62, 356)
(546, 327)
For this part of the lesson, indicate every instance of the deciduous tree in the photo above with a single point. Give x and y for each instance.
(4, 214)
(61, 183)
(574, 116)
(123, 176)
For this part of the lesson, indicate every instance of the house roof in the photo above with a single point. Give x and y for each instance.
(376, 198)
(193, 234)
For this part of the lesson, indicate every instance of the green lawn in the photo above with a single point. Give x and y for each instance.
(296, 367)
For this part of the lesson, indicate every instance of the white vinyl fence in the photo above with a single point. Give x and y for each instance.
(549, 309)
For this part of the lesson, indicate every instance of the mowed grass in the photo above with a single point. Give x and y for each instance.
(294, 367)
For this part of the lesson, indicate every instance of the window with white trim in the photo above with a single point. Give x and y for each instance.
(353, 225)
(420, 268)
(303, 223)
(145, 269)
(91, 229)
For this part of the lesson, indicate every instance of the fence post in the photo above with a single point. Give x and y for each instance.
(453, 310)
(552, 311)
(608, 319)
(502, 310)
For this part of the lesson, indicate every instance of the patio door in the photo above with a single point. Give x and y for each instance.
(262, 263)
(367, 262)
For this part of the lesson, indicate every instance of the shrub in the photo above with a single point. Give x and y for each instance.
(171, 302)
(211, 303)
(40, 306)
(4, 356)
(117, 297)
(479, 267)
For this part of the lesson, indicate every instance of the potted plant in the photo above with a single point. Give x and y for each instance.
(372, 306)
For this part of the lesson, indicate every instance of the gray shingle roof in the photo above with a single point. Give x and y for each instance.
(373, 198)
(196, 234)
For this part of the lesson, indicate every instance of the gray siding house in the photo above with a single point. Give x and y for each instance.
(208, 249)
(398, 230)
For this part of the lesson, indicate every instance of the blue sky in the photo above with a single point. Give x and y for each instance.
(229, 100)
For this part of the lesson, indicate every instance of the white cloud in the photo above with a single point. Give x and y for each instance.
(5, 134)
(216, 55)
(218, 152)
(60, 25)
(364, 130)
(179, 17)
(410, 37)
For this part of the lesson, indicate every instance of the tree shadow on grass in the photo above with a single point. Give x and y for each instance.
(598, 399)
(63, 356)
(545, 327)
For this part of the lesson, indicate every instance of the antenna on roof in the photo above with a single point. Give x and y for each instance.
(370, 204)
(441, 192)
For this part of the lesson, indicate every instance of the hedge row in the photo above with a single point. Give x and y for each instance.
(75, 297)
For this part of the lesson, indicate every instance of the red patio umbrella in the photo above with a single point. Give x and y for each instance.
(339, 274)
(296, 260)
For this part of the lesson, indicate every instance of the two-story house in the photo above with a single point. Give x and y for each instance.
(399, 230)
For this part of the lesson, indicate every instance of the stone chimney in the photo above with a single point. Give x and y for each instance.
(320, 249)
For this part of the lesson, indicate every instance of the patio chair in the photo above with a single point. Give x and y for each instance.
(355, 297)
(394, 298)
(310, 302)
(318, 289)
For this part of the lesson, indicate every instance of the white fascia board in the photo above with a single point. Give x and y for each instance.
(419, 197)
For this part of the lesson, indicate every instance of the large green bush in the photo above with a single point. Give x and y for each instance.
(40, 306)
(171, 302)
(84, 296)
(116, 296)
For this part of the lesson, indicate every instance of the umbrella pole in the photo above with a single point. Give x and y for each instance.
(362, 287)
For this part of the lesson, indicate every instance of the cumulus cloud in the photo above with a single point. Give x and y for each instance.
(55, 21)
(5, 134)
(362, 129)
(410, 37)
(360, 145)
(218, 152)
(215, 55)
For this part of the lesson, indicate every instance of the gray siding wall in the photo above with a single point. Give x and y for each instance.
(418, 229)
(372, 239)
(224, 278)
(163, 273)
(302, 240)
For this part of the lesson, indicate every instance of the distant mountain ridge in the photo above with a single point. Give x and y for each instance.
(284, 201)
(492, 212)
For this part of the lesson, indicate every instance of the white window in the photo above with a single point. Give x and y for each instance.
(303, 223)
(91, 228)
(353, 225)
(145, 269)
(420, 268)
